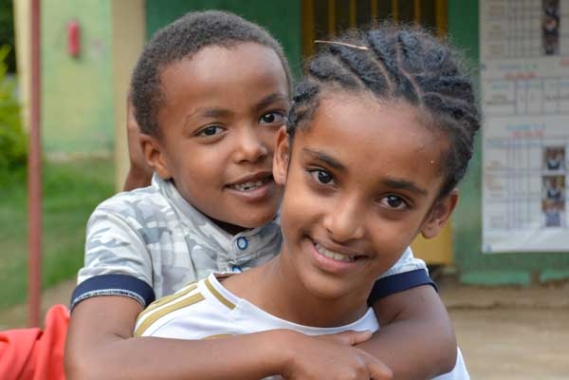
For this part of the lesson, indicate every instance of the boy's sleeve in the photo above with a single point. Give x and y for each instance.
(406, 273)
(117, 261)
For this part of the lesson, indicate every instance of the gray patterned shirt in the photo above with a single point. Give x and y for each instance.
(148, 243)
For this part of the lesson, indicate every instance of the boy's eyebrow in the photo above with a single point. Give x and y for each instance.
(211, 112)
(324, 158)
(220, 112)
(272, 98)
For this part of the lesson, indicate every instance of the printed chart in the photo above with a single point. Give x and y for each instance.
(524, 58)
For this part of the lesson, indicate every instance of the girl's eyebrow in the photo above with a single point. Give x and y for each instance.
(402, 184)
(321, 156)
(395, 183)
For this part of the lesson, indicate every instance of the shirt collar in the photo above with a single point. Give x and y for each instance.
(259, 239)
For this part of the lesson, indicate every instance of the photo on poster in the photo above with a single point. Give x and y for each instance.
(550, 27)
(554, 188)
(554, 158)
(553, 213)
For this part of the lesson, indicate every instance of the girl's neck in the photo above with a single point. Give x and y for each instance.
(276, 288)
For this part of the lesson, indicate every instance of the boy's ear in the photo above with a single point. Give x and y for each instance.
(281, 157)
(439, 214)
(153, 152)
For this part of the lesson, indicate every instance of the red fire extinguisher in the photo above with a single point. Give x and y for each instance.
(73, 38)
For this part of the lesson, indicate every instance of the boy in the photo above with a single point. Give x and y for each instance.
(210, 93)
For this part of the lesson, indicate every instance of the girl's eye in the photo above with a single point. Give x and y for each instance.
(322, 177)
(212, 130)
(394, 202)
(272, 118)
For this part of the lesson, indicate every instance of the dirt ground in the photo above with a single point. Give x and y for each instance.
(511, 332)
(504, 333)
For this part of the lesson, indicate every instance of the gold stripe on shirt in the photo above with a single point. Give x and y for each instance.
(172, 297)
(166, 310)
(218, 295)
(218, 336)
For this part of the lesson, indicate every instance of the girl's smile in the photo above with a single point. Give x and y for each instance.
(336, 261)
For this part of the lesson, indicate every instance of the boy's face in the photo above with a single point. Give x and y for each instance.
(363, 181)
(223, 108)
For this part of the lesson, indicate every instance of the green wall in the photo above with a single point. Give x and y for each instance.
(281, 17)
(77, 93)
(475, 267)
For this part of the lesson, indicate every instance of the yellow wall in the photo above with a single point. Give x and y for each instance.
(22, 31)
(435, 251)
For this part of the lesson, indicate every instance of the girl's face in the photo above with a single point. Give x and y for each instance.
(362, 180)
(222, 110)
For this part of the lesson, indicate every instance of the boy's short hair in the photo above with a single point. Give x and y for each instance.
(181, 40)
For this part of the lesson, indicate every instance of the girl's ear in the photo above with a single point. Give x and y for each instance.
(439, 214)
(281, 157)
(153, 153)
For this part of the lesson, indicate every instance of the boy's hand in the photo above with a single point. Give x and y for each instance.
(349, 338)
(332, 357)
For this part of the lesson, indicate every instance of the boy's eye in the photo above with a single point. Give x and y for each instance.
(394, 202)
(322, 177)
(272, 118)
(212, 130)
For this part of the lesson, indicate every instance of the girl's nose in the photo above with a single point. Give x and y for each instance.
(344, 222)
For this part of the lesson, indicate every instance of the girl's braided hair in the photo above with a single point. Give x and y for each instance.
(397, 63)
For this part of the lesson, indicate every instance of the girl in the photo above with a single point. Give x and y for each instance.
(380, 133)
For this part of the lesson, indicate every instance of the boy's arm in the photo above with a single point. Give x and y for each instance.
(416, 339)
(139, 173)
(100, 346)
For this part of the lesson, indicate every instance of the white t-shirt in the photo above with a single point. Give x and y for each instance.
(206, 309)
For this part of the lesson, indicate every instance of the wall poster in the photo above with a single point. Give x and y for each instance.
(524, 58)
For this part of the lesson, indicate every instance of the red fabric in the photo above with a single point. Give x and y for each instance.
(33, 354)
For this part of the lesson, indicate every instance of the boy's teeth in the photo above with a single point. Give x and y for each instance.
(248, 185)
(333, 255)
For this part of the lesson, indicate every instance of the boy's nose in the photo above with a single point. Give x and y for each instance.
(344, 222)
(251, 147)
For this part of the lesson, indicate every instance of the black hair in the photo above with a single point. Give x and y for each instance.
(180, 40)
(397, 63)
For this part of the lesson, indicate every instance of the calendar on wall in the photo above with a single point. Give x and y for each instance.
(524, 67)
